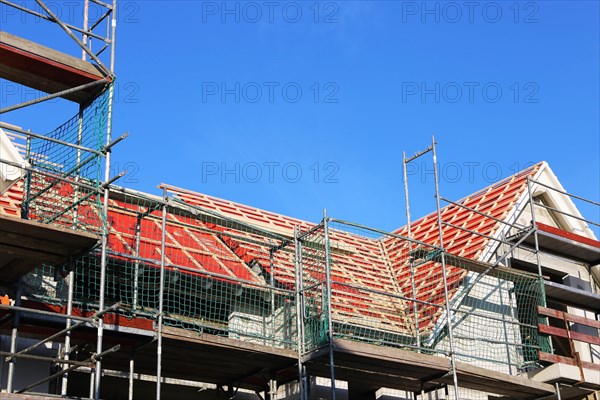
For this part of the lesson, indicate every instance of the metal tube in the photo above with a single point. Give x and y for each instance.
(13, 341)
(67, 330)
(42, 16)
(359, 226)
(272, 283)
(104, 256)
(48, 313)
(102, 17)
(113, 349)
(60, 178)
(272, 389)
(48, 339)
(42, 358)
(101, 65)
(113, 39)
(412, 265)
(504, 328)
(106, 5)
(72, 206)
(84, 37)
(474, 232)
(78, 172)
(102, 50)
(537, 253)
(504, 342)
(568, 214)
(481, 213)
(419, 154)
(49, 378)
(65, 380)
(74, 367)
(328, 303)
(491, 317)
(309, 232)
(53, 95)
(30, 134)
(131, 375)
(198, 272)
(26, 182)
(136, 264)
(444, 273)
(92, 380)
(64, 176)
(115, 142)
(161, 299)
(299, 311)
(565, 193)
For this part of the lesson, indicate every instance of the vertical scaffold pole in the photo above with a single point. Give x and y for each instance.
(449, 313)
(272, 294)
(71, 276)
(537, 247)
(104, 255)
(105, 227)
(161, 297)
(131, 375)
(27, 181)
(410, 247)
(328, 302)
(136, 263)
(84, 38)
(13, 340)
(67, 348)
(299, 314)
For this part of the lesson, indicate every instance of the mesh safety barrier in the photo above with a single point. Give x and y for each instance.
(231, 278)
(219, 278)
(70, 153)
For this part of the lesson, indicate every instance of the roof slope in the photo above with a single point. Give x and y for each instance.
(365, 270)
(381, 265)
(468, 238)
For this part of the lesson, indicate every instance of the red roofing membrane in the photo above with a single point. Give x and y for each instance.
(370, 276)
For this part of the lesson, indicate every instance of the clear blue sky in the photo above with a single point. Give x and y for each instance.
(266, 90)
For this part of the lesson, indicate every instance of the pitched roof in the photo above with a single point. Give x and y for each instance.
(371, 275)
(383, 264)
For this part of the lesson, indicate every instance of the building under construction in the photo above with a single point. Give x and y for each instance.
(108, 293)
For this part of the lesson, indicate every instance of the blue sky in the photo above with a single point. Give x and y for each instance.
(296, 106)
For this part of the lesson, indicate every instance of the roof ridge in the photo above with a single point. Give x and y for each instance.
(234, 203)
(529, 170)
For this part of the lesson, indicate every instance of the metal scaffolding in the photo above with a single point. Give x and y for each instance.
(302, 299)
(68, 169)
(169, 262)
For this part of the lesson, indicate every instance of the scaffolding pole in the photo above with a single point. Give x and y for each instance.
(105, 230)
(64, 331)
(449, 312)
(131, 375)
(71, 277)
(161, 296)
(136, 263)
(302, 384)
(328, 303)
(272, 294)
(71, 368)
(410, 247)
(13, 340)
